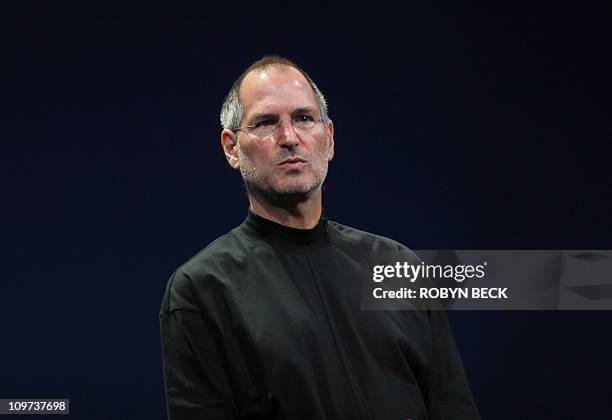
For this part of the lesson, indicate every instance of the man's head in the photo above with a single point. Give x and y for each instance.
(276, 131)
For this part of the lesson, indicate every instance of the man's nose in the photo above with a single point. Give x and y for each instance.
(287, 136)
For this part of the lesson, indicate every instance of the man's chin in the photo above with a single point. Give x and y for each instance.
(285, 194)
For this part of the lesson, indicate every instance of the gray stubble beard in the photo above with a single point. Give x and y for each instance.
(254, 184)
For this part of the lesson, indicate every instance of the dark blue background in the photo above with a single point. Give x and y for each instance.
(457, 126)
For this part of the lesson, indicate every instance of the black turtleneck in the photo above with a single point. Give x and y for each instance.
(266, 323)
(286, 237)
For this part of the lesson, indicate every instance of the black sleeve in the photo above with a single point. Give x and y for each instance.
(448, 391)
(450, 396)
(195, 368)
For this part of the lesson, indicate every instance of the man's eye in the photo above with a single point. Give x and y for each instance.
(264, 123)
(304, 118)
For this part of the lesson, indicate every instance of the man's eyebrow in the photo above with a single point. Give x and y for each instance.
(263, 115)
(259, 116)
(303, 110)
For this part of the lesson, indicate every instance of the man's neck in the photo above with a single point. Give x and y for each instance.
(300, 215)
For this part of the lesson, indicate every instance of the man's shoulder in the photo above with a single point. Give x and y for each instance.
(202, 271)
(372, 241)
(217, 253)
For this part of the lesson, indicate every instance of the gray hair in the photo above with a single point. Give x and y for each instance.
(232, 109)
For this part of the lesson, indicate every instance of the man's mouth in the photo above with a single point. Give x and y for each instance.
(292, 162)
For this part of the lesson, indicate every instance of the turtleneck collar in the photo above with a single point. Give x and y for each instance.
(286, 237)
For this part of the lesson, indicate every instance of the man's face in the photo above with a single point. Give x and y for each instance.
(289, 162)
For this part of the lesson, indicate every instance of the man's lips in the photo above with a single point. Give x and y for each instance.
(294, 161)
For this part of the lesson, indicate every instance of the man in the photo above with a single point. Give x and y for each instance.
(266, 322)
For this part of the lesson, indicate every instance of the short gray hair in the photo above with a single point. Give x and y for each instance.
(232, 109)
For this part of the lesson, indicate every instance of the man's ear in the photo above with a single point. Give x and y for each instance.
(330, 139)
(229, 143)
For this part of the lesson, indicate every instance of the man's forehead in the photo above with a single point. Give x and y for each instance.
(262, 83)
